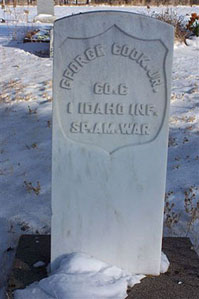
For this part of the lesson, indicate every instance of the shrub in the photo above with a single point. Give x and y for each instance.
(170, 16)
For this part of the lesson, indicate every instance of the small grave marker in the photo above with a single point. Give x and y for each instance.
(112, 73)
(45, 7)
(45, 11)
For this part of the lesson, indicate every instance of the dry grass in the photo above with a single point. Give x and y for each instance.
(191, 205)
(14, 91)
(170, 17)
(170, 216)
(29, 187)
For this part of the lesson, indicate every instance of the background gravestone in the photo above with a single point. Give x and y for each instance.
(112, 75)
(45, 7)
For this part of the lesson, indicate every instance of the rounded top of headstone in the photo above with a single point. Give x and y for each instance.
(132, 23)
(110, 12)
(124, 14)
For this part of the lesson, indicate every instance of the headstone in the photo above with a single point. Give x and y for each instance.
(45, 7)
(112, 76)
(45, 11)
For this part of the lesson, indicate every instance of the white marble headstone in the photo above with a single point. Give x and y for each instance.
(45, 7)
(112, 75)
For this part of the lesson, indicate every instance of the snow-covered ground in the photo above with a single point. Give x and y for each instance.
(25, 139)
(80, 276)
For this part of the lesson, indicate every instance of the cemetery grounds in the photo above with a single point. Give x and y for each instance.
(26, 123)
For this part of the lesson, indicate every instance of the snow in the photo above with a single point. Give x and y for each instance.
(164, 266)
(25, 150)
(81, 276)
(44, 18)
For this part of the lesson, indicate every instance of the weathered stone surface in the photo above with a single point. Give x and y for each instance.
(110, 127)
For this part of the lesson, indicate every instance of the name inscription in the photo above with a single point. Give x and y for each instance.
(97, 51)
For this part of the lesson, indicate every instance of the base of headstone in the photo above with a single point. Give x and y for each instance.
(181, 280)
(43, 18)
